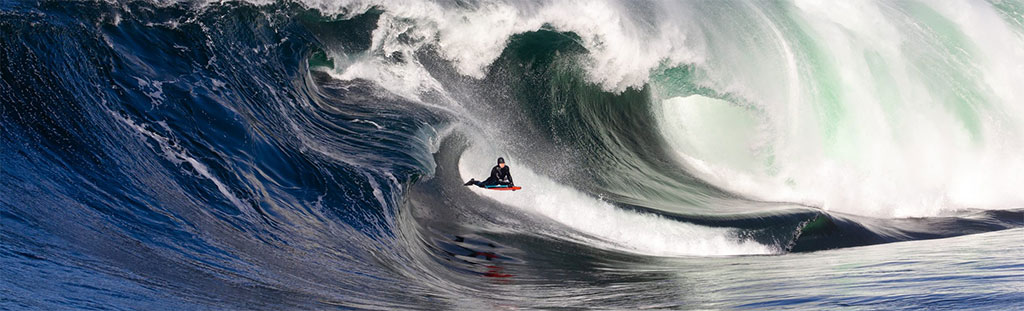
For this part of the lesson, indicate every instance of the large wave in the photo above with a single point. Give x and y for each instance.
(315, 151)
(804, 102)
(711, 110)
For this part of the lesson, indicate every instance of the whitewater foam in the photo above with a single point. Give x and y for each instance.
(900, 111)
(622, 51)
(617, 228)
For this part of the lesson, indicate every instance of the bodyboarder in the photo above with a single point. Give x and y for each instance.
(500, 176)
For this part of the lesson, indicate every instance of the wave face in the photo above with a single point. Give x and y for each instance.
(311, 154)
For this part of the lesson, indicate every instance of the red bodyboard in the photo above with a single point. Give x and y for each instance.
(504, 188)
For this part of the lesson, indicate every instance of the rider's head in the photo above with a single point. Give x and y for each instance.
(501, 162)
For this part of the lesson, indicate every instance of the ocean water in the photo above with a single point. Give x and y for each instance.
(167, 155)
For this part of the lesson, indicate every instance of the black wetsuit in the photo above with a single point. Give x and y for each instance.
(499, 176)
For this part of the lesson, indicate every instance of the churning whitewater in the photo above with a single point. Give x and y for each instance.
(311, 154)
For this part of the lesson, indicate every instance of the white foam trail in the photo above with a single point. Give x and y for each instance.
(619, 229)
(178, 156)
(367, 122)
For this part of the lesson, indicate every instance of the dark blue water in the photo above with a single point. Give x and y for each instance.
(189, 156)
